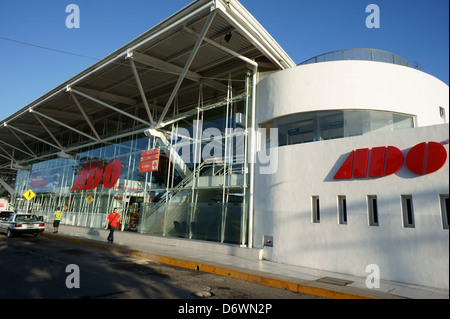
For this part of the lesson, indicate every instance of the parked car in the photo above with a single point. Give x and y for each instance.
(4, 214)
(18, 224)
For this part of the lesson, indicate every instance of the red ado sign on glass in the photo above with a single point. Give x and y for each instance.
(91, 174)
(423, 158)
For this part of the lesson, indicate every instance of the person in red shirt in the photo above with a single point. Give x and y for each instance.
(112, 222)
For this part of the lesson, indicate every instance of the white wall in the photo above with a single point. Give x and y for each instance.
(282, 209)
(353, 85)
(417, 255)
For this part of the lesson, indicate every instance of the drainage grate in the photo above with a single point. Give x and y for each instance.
(335, 281)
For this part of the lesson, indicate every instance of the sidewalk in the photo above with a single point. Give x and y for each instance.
(244, 264)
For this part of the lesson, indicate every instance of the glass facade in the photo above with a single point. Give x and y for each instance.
(325, 125)
(199, 190)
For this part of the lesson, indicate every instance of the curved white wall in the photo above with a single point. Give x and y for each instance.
(353, 85)
(282, 202)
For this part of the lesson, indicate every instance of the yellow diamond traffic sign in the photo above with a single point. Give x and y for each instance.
(29, 194)
(89, 199)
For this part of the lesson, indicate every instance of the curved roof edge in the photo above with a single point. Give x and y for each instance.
(232, 10)
(365, 54)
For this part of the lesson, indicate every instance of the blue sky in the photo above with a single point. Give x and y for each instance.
(417, 30)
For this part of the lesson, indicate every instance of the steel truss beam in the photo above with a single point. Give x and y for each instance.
(188, 64)
(141, 91)
(9, 156)
(24, 144)
(32, 136)
(69, 89)
(48, 131)
(62, 124)
(74, 98)
(187, 114)
(106, 96)
(16, 148)
(175, 69)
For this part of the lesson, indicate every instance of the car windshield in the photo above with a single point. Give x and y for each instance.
(26, 218)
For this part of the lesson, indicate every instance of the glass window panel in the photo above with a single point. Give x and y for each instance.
(353, 123)
(331, 125)
(317, 126)
(402, 122)
(381, 122)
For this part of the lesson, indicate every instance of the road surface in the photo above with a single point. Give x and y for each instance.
(51, 268)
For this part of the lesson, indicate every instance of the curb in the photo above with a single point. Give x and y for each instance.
(276, 281)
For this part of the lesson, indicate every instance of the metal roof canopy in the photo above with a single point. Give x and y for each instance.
(134, 88)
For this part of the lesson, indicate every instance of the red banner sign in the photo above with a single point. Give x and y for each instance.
(149, 161)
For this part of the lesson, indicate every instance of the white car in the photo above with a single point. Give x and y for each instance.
(17, 224)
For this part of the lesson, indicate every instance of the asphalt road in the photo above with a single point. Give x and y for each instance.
(49, 268)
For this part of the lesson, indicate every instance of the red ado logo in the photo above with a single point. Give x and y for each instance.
(91, 175)
(424, 158)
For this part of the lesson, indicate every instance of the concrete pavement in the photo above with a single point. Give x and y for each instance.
(243, 263)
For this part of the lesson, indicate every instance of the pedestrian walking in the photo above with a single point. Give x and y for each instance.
(57, 218)
(111, 223)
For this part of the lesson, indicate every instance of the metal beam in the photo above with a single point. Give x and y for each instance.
(162, 65)
(63, 124)
(8, 188)
(9, 156)
(85, 116)
(32, 136)
(221, 47)
(63, 114)
(78, 147)
(16, 148)
(24, 144)
(109, 106)
(187, 114)
(141, 91)
(48, 131)
(111, 97)
(188, 64)
(175, 69)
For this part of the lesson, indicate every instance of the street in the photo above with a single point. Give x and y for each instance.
(50, 268)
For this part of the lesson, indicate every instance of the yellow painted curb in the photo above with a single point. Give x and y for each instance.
(232, 273)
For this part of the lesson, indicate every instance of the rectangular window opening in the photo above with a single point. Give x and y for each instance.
(315, 209)
(444, 210)
(342, 210)
(372, 206)
(441, 112)
(408, 211)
